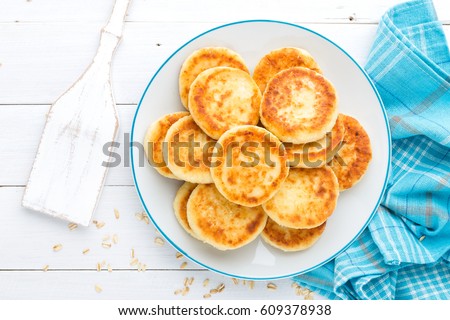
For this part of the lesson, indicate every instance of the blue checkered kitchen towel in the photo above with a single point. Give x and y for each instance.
(405, 251)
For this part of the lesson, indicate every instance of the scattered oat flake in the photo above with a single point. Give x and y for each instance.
(146, 219)
(177, 292)
(45, 268)
(115, 238)
(309, 296)
(213, 291)
(134, 262)
(100, 224)
(72, 226)
(106, 245)
(302, 291)
(299, 291)
(205, 282)
(244, 282)
(106, 237)
(99, 267)
(116, 213)
(188, 281)
(207, 295)
(251, 284)
(183, 265)
(179, 255)
(220, 287)
(109, 268)
(57, 247)
(235, 281)
(86, 251)
(294, 285)
(185, 291)
(144, 267)
(98, 288)
(271, 286)
(132, 253)
(159, 241)
(139, 216)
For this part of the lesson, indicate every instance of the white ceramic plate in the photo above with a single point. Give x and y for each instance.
(357, 97)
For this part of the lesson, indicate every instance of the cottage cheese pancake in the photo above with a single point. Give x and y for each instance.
(180, 206)
(221, 223)
(187, 155)
(203, 59)
(221, 98)
(318, 153)
(153, 142)
(251, 165)
(288, 239)
(306, 199)
(299, 105)
(281, 59)
(351, 162)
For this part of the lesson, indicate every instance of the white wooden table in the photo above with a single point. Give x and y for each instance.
(44, 46)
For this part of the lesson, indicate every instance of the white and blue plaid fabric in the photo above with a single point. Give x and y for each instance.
(405, 251)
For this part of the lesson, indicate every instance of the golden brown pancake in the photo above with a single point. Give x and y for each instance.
(188, 151)
(306, 199)
(153, 142)
(203, 59)
(352, 160)
(223, 224)
(299, 105)
(318, 153)
(288, 239)
(221, 98)
(250, 165)
(281, 59)
(180, 206)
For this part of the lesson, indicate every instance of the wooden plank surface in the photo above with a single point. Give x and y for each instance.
(136, 285)
(31, 236)
(33, 73)
(197, 11)
(45, 45)
(322, 11)
(38, 74)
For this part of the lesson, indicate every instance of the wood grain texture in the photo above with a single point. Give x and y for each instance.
(198, 11)
(31, 236)
(45, 45)
(145, 46)
(135, 285)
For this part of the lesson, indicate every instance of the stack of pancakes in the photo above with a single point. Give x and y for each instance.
(263, 155)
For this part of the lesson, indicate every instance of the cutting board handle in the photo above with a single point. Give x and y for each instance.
(67, 174)
(115, 23)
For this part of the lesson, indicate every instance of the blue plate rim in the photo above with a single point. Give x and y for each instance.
(375, 207)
